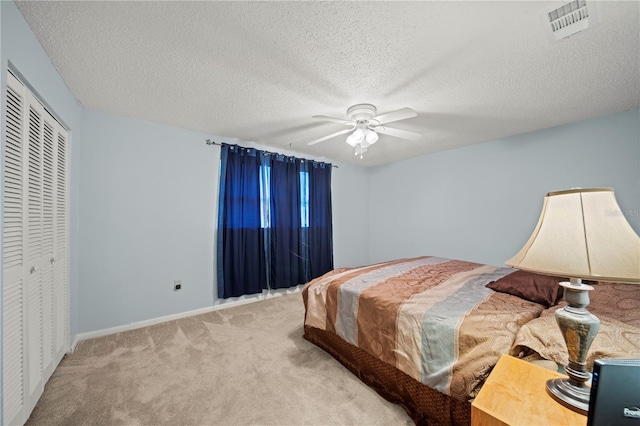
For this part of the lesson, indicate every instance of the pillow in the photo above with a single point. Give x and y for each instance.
(536, 288)
(543, 336)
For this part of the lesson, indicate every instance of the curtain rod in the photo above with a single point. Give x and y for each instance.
(210, 142)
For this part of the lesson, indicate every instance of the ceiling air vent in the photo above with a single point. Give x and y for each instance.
(570, 18)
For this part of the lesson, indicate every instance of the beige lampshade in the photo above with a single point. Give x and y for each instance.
(582, 233)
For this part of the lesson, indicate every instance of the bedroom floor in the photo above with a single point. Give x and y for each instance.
(243, 365)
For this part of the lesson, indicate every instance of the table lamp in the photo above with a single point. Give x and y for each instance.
(581, 234)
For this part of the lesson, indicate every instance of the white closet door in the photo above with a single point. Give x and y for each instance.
(13, 252)
(35, 306)
(61, 247)
(34, 247)
(48, 259)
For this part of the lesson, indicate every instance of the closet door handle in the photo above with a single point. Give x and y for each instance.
(34, 269)
(53, 260)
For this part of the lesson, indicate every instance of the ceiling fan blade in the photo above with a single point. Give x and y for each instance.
(400, 114)
(402, 134)
(332, 135)
(335, 120)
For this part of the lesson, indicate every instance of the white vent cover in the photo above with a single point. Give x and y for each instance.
(570, 18)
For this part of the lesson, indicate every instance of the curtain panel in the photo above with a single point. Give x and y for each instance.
(320, 223)
(274, 221)
(241, 242)
(287, 254)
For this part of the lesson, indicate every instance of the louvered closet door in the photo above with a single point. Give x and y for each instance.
(13, 254)
(35, 251)
(34, 231)
(60, 245)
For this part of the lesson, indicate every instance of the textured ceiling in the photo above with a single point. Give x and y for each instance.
(257, 71)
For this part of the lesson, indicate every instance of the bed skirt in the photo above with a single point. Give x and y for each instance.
(424, 405)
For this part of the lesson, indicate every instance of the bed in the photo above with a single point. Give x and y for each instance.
(425, 332)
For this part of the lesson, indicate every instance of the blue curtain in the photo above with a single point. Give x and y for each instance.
(320, 223)
(241, 242)
(274, 221)
(287, 254)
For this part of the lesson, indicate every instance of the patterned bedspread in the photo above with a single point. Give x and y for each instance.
(430, 317)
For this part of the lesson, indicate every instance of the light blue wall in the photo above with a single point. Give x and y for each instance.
(148, 217)
(350, 196)
(482, 202)
(147, 195)
(19, 47)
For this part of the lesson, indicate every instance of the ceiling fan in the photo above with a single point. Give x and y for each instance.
(365, 126)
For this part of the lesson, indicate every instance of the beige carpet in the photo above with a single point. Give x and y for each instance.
(238, 366)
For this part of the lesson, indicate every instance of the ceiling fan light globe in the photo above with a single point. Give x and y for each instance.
(352, 140)
(358, 134)
(371, 137)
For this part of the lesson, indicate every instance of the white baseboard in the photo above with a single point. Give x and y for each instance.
(218, 304)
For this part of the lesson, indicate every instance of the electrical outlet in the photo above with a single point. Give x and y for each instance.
(177, 284)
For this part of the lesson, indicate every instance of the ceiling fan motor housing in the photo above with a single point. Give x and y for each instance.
(361, 113)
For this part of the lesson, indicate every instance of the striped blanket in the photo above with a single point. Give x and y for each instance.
(430, 317)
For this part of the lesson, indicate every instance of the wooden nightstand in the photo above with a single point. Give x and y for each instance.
(515, 394)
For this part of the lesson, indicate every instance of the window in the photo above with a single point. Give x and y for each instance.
(304, 199)
(265, 197)
(274, 221)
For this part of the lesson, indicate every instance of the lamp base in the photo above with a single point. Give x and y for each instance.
(573, 397)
